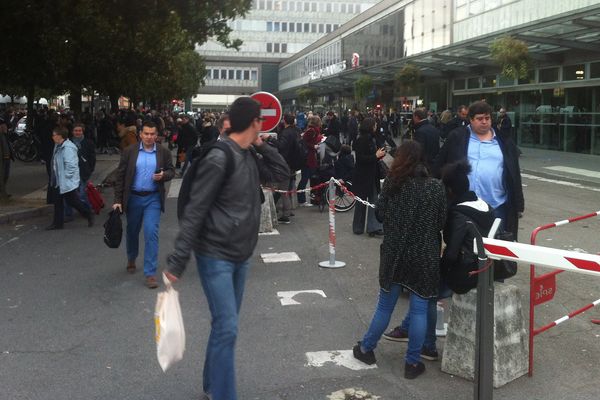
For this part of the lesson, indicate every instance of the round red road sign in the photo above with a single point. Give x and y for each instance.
(270, 110)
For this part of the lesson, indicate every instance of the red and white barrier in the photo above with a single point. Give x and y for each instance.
(332, 263)
(543, 287)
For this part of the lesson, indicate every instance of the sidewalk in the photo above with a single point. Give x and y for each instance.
(573, 167)
(27, 185)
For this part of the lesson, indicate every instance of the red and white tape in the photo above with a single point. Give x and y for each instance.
(543, 256)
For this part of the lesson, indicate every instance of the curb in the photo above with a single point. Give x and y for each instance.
(572, 179)
(19, 215)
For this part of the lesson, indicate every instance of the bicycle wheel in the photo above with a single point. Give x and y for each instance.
(25, 150)
(343, 202)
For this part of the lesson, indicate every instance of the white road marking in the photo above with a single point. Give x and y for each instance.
(273, 232)
(557, 182)
(352, 393)
(287, 298)
(279, 257)
(342, 358)
(174, 188)
(576, 171)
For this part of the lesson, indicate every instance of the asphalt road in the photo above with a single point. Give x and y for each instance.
(76, 326)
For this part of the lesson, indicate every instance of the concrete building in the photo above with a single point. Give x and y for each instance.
(557, 106)
(272, 31)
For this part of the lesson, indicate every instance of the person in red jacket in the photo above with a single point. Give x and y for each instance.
(312, 136)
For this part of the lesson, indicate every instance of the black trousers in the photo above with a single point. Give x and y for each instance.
(72, 199)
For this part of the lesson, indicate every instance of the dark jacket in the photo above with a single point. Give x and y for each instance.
(334, 127)
(344, 167)
(187, 137)
(413, 216)
(210, 133)
(429, 137)
(222, 217)
(456, 148)
(87, 158)
(458, 258)
(352, 128)
(287, 141)
(454, 123)
(504, 128)
(365, 174)
(126, 173)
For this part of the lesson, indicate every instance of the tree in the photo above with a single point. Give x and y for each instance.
(363, 87)
(307, 95)
(512, 55)
(407, 79)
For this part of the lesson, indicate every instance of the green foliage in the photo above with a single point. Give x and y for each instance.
(512, 55)
(136, 48)
(407, 78)
(306, 95)
(362, 88)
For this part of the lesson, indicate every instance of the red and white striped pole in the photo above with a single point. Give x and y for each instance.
(332, 263)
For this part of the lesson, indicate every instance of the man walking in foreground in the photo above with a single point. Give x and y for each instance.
(140, 193)
(220, 225)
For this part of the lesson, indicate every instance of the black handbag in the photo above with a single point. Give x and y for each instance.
(113, 230)
(382, 169)
(504, 269)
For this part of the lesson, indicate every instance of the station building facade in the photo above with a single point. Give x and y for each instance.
(272, 31)
(557, 106)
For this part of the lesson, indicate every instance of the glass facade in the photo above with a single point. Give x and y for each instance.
(377, 43)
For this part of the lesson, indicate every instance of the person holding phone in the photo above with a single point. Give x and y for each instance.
(140, 193)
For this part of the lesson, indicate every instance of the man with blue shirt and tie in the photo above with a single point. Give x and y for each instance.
(140, 193)
(495, 175)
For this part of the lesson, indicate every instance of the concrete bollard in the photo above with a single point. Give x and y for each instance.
(510, 336)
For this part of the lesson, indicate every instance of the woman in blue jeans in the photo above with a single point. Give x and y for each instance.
(412, 207)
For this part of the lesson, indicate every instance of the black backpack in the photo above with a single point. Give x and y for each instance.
(298, 154)
(334, 143)
(190, 175)
(113, 229)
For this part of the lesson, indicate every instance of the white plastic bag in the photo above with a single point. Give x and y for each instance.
(169, 330)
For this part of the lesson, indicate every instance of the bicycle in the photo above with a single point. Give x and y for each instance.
(25, 147)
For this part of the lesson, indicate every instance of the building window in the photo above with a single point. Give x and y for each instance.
(253, 75)
(284, 47)
(261, 5)
(223, 74)
(292, 26)
(336, 7)
(269, 47)
(344, 8)
(284, 27)
(269, 26)
(284, 6)
(321, 7)
(269, 4)
(335, 26)
(549, 75)
(459, 84)
(275, 47)
(328, 7)
(313, 7)
(277, 5)
(306, 7)
(321, 28)
(574, 72)
(350, 8)
(298, 26)
(473, 83)
(595, 70)
(313, 28)
(276, 26)
(306, 28)
(238, 74)
(488, 81)
(231, 74)
(328, 28)
(529, 79)
(246, 75)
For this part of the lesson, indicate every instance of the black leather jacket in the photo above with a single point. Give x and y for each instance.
(222, 217)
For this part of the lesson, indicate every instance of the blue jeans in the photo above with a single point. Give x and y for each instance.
(146, 210)
(82, 196)
(305, 176)
(421, 332)
(223, 283)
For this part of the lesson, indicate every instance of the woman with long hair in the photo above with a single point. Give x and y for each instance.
(312, 137)
(412, 207)
(365, 182)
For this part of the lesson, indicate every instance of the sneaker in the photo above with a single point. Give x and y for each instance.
(368, 357)
(307, 204)
(284, 220)
(431, 355)
(396, 335)
(411, 371)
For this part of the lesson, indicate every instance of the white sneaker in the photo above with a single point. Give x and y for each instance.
(307, 204)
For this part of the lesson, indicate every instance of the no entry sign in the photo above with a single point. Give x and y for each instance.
(270, 110)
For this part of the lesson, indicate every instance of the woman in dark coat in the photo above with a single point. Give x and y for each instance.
(413, 209)
(365, 183)
(312, 137)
